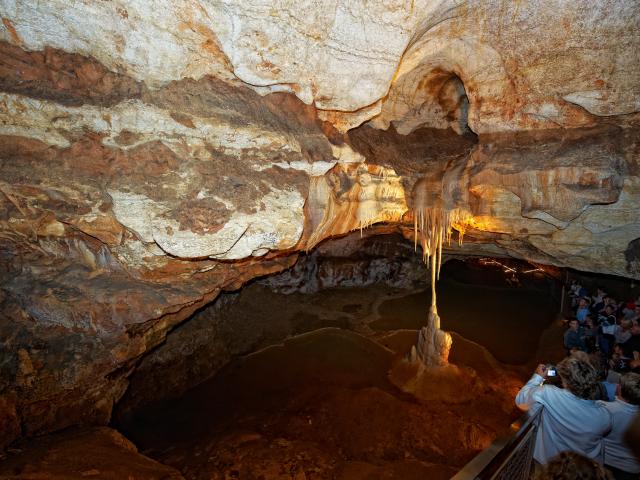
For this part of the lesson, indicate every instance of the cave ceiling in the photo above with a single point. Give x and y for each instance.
(153, 154)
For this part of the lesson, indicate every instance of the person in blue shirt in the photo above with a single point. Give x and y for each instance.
(571, 419)
(618, 456)
(583, 309)
(574, 336)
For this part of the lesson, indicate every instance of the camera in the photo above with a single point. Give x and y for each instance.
(551, 371)
(623, 365)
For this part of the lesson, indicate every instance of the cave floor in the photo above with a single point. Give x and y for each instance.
(320, 405)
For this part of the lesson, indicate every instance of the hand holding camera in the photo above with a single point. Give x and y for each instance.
(546, 370)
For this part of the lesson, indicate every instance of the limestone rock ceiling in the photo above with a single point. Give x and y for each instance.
(522, 66)
(151, 157)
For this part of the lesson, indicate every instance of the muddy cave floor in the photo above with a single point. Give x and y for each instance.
(321, 404)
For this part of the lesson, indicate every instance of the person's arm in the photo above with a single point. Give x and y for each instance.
(530, 392)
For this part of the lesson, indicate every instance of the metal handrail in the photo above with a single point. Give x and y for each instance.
(495, 459)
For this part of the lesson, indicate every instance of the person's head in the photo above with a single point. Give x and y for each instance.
(574, 324)
(609, 309)
(626, 325)
(588, 319)
(606, 299)
(593, 360)
(572, 466)
(583, 302)
(635, 328)
(579, 377)
(617, 349)
(630, 388)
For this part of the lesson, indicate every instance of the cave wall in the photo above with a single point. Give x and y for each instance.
(354, 260)
(86, 287)
(154, 154)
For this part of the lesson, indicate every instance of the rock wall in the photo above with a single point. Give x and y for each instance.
(80, 453)
(560, 200)
(92, 193)
(355, 260)
(522, 66)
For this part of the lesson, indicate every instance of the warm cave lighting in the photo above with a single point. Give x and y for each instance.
(205, 236)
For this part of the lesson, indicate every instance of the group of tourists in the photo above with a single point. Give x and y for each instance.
(591, 398)
(605, 328)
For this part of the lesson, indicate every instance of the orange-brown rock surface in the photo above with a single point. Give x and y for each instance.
(410, 62)
(142, 172)
(97, 452)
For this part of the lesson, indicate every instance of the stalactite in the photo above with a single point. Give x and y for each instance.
(433, 226)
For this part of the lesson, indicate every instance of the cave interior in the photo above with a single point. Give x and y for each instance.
(300, 240)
